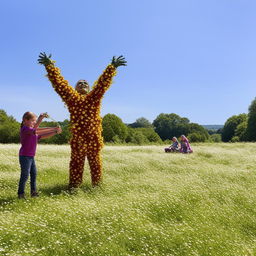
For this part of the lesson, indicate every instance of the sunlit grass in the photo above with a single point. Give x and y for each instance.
(151, 203)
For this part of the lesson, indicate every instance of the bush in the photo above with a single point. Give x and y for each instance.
(231, 125)
(251, 130)
(235, 139)
(215, 137)
(113, 126)
(196, 137)
(9, 128)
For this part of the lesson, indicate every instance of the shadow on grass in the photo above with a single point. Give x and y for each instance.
(61, 189)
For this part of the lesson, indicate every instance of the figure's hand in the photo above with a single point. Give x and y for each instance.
(44, 59)
(119, 61)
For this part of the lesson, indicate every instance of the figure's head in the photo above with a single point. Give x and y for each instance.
(29, 119)
(174, 139)
(82, 87)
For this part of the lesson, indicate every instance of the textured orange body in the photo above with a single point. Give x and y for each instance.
(86, 123)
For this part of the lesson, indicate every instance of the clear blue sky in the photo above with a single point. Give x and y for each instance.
(195, 58)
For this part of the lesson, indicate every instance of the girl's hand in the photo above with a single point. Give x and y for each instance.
(43, 115)
(58, 130)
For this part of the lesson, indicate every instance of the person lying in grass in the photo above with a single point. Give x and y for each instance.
(30, 133)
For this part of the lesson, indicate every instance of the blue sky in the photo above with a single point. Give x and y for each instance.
(195, 58)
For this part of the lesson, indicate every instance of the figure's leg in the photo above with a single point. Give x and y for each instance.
(76, 167)
(95, 162)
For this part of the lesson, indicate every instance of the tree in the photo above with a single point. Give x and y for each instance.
(230, 126)
(241, 131)
(170, 125)
(251, 125)
(150, 134)
(61, 138)
(9, 128)
(113, 126)
(197, 133)
(141, 122)
(215, 137)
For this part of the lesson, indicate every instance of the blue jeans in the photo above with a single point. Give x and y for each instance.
(28, 166)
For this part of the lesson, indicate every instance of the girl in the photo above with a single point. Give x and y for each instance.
(175, 147)
(29, 136)
(185, 146)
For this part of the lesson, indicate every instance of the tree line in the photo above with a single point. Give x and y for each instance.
(240, 127)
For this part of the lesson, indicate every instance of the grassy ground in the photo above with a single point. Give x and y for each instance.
(151, 203)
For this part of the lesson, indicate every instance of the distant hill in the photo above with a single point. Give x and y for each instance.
(213, 126)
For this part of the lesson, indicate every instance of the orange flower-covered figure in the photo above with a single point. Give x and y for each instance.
(86, 123)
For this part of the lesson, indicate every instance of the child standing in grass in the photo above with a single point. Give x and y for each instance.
(30, 133)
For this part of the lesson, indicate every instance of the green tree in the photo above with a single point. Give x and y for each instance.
(112, 126)
(136, 136)
(62, 138)
(215, 137)
(241, 131)
(251, 125)
(230, 126)
(141, 122)
(9, 128)
(170, 125)
(197, 133)
(150, 134)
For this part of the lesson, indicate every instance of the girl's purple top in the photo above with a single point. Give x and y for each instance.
(28, 140)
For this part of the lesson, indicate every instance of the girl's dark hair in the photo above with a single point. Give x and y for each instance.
(28, 115)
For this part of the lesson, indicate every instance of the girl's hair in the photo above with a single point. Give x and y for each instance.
(27, 116)
(184, 138)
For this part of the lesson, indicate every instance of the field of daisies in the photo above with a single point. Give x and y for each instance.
(151, 203)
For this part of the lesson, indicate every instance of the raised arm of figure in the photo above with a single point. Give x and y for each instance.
(60, 85)
(105, 80)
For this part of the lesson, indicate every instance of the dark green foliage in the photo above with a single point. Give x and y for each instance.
(251, 126)
(150, 134)
(241, 131)
(9, 128)
(230, 126)
(169, 125)
(142, 135)
(197, 133)
(62, 138)
(196, 137)
(136, 136)
(141, 122)
(215, 137)
(113, 126)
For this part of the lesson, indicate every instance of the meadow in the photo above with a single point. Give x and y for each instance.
(150, 203)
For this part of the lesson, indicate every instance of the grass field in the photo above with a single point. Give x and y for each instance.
(151, 203)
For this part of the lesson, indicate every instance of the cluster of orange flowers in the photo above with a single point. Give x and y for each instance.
(86, 123)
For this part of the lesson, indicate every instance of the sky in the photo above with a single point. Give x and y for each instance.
(194, 58)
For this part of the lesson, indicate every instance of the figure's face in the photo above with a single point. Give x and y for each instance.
(173, 139)
(82, 87)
